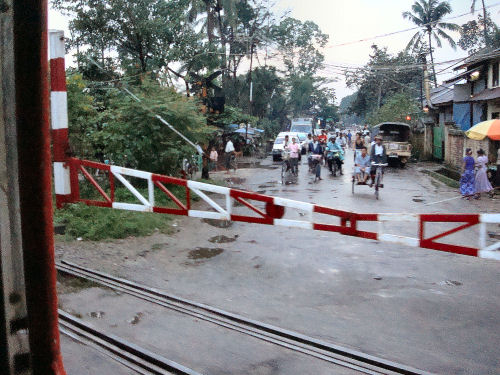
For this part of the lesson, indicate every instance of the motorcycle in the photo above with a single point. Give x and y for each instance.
(334, 160)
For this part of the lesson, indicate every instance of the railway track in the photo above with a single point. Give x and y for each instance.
(130, 355)
(325, 351)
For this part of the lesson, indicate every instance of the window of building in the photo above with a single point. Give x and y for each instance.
(495, 75)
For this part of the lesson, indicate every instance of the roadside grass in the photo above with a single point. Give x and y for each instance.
(98, 223)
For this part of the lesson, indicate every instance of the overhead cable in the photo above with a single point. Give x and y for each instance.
(409, 29)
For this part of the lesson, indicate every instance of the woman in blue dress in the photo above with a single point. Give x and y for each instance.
(467, 180)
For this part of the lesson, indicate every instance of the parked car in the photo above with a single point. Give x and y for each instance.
(396, 136)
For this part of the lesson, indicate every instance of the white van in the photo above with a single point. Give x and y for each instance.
(302, 125)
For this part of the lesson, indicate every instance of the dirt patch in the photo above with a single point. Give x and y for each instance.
(235, 180)
(218, 223)
(71, 284)
(96, 314)
(450, 283)
(136, 319)
(222, 239)
(204, 253)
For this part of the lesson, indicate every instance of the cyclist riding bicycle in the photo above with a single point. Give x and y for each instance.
(378, 155)
(294, 149)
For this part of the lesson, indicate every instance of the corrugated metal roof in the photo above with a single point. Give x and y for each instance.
(441, 95)
(483, 55)
(488, 94)
(460, 76)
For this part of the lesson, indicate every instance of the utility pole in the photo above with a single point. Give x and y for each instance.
(251, 87)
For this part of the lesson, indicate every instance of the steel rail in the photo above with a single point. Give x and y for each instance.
(322, 350)
(132, 356)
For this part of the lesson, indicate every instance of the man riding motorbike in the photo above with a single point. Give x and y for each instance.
(334, 154)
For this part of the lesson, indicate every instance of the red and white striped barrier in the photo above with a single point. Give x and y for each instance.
(59, 116)
(264, 209)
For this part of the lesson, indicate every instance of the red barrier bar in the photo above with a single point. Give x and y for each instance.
(32, 111)
(430, 243)
(95, 184)
(264, 217)
(57, 74)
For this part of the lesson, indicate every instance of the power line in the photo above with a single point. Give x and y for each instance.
(406, 30)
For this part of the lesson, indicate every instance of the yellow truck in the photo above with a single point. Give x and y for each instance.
(396, 138)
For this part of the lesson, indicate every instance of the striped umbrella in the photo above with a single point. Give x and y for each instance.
(490, 129)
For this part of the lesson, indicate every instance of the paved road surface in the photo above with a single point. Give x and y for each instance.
(422, 308)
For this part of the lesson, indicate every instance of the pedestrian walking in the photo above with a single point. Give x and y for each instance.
(481, 183)
(467, 179)
(214, 156)
(228, 151)
(349, 139)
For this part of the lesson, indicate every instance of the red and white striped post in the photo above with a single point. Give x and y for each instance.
(59, 117)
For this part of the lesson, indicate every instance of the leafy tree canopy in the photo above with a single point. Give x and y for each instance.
(473, 35)
(397, 107)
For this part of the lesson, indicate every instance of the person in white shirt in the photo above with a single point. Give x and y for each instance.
(367, 140)
(229, 151)
(378, 155)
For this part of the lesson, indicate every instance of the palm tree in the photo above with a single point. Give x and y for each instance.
(472, 8)
(428, 14)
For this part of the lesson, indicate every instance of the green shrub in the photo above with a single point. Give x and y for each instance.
(97, 223)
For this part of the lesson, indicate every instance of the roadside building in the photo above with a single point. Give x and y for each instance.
(470, 97)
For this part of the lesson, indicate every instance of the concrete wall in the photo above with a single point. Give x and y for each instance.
(421, 142)
(493, 106)
(487, 145)
(453, 146)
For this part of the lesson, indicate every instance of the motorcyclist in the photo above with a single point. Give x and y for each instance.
(334, 148)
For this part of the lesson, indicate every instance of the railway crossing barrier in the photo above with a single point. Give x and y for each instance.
(220, 204)
(262, 209)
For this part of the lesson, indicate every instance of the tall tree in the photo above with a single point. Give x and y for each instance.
(381, 78)
(298, 44)
(428, 15)
(478, 34)
(146, 34)
(485, 31)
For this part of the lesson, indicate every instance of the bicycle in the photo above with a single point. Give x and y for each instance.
(377, 181)
(289, 170)
(233, 162)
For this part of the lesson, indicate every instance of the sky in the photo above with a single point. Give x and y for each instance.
(351, 20)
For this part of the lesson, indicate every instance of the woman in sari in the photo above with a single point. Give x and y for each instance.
(467, 180)
(482, 184)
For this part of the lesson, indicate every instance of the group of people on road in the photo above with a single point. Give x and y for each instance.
(331, 152)
(474, 179)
